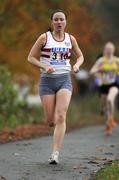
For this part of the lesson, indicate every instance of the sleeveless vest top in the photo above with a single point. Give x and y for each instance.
(110, 71)
(57, 53)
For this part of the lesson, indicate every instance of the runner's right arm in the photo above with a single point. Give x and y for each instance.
(96, 67)
(33, 56)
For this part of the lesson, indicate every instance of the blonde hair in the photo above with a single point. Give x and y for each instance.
(110, 45)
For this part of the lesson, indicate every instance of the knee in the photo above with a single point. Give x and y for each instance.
(60, 118)
(50, 121)
(112, 94)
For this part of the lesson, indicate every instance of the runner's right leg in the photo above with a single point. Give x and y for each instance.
(48, 102)
(103, 104)
(63, 97)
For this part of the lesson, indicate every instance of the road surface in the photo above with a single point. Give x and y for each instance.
(83, 153)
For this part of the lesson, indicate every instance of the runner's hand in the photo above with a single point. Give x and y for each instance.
(75, 68)
(100, 70)
(49, 69)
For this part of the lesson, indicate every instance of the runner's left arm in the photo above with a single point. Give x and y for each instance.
(78, 53)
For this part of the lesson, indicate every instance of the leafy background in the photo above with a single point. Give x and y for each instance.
(92, 22)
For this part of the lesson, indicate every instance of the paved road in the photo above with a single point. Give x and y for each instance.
(84, 152)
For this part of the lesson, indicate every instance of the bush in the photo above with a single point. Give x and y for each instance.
(13, 112)
(8, 94)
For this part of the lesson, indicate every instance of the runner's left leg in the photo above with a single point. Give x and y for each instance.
(110, 109)
(63, 97)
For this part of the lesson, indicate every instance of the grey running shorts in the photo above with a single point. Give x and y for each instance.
(52, 84)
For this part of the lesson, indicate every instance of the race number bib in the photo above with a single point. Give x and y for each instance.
(59, 56)
(109, 77)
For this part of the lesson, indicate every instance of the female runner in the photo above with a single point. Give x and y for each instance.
(54, 49)
(106, 69)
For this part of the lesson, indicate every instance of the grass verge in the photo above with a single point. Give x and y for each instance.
(110, 172)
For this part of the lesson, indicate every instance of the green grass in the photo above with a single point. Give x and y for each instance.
(110, 172)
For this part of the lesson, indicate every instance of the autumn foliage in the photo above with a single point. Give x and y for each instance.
(23, 21)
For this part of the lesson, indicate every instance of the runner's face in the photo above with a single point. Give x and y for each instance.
(59, 21)
(109, 51)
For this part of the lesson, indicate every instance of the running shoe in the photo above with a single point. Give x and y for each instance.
(110, 125)
(108, 130)
(54, 158)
